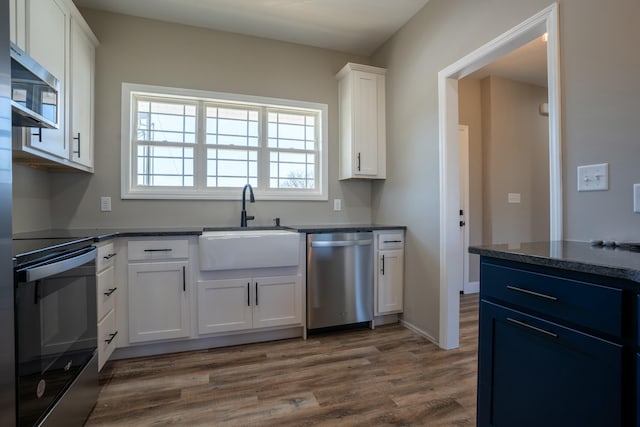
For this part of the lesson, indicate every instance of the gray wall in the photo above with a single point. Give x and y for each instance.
(151, 52)
(31, 199)
(600, 104)
(515, 142)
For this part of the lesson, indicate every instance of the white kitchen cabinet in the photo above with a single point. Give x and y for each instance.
(159, 287)
(54, 33)
(362, 122)
(158, 301)
(82, 95)
(249, 303)
(389, 277)
(48, 43)
(17, 23)
(107, 293)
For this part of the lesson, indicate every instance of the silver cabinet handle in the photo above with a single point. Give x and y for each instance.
(533, 328)
(109, 256)
(77, 139)
(339, 243)
(158, 250)
(392, 241)
(533, 293)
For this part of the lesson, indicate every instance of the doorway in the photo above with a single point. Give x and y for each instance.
(451, 253)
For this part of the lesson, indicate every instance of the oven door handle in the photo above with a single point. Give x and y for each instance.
(70, 261)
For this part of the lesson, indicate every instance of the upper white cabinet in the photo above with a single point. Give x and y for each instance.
(54, 33)
(362, 122)
(81, 106)
(48, 43)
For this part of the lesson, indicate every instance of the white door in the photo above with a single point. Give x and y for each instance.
(158, 301)
(81, 96)
(390, 281)
(365, 125)
(276, 301)
(224, 305)
(463, 139)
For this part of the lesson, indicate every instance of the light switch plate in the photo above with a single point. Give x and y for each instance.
(513, 197)
(337, 204)
(105, 204)
(593, 177)
(636, 198)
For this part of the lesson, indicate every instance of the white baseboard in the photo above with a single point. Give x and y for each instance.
(472, 288)
(419, 331)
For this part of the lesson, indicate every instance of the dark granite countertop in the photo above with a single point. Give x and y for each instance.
(575, 256)
(101, 234)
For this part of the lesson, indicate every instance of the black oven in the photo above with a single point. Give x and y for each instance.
(56, 335)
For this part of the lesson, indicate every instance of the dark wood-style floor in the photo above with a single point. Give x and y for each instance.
(388, 376)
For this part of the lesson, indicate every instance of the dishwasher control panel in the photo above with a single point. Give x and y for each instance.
(391, 241)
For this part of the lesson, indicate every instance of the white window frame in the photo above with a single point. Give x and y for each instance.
(200, 192)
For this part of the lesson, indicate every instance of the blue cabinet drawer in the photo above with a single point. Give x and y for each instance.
(587, 305)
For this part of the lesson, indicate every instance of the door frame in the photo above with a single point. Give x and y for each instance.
(545, 21)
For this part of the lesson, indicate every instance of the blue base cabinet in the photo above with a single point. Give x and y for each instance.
(536, 373)
(543, 360)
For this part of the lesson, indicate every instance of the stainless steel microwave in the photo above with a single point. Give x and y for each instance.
(34, 92)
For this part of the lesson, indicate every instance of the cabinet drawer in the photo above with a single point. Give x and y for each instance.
(105, 257)
(391, 241)
(107, 338)
(586, 304)
(106, 290)
(140, 250)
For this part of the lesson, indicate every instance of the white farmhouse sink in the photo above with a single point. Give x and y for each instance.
(249, 248)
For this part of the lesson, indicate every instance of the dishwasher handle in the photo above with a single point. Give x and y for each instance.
(339, 243)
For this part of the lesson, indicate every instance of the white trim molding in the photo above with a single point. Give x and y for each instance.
(546, 21)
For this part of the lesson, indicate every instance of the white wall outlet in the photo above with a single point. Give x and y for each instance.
(105, 204)
(513, 197)
(337, 204)
(636, 198)
(593, 177)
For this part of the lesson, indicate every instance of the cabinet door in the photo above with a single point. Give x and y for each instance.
(158, 301)
(365, 111)
(390, 281)
(277, 301)
(47, 36)
(537, 373)
(82, 60)
(224, 305)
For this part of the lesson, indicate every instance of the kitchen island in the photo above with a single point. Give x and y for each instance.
(558, 335)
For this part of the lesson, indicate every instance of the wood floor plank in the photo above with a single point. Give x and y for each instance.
(386, 376)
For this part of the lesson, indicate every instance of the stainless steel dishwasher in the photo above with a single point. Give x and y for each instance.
(339, 279)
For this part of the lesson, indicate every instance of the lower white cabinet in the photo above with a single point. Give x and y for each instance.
(260, 302)
(389, 277)
(158, 300)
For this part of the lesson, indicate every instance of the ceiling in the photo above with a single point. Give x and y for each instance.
(354, 26)
(526, 64)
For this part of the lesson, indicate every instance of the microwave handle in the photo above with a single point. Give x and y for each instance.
(80, 257)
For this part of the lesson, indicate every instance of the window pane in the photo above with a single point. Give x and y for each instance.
(231, 168)
(165, 166)
(291, 131)
(291, 170)
(232, 126)
(165, 122)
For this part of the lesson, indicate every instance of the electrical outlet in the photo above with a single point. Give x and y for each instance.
(593, 177)
(337, 204)
(513, 197)
(105, 204)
